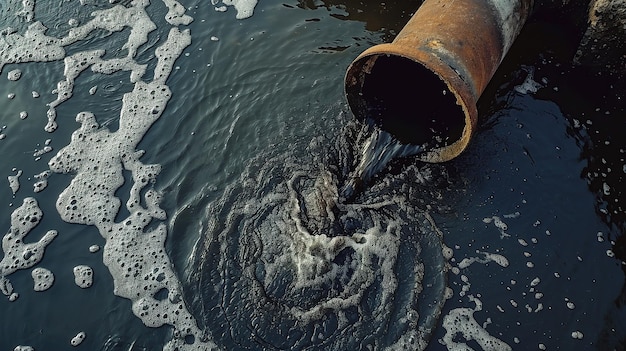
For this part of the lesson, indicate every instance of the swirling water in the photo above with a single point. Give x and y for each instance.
(229, 231)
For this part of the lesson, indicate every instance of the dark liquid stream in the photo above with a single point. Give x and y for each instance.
(378, 150)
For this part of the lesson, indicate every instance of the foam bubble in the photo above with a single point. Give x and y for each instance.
(42, 279)
(244, 8)
(42, 181)
(460, 322)
(17, 253)
(14, 75)
(83, 276)
(14, 181)
(498, 223)
(94, 248)
(135, 255)
(78, 339)
(529, 85)
(28, 10)
(23, 348)
(488, 257)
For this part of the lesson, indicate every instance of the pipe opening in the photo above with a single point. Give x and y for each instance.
(406, 99)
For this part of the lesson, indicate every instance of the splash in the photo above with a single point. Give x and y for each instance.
(378, 149)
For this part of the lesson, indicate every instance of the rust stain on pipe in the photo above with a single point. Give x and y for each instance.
(423, 87)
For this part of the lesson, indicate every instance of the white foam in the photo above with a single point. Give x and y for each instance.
(460, 322)
(98, 175)
(42, 279)
(28, 10)
(17, 253)
(488, 257)
(42, 181)
(14, 181)
(78, 339)
(244, 8)
(23, 348)
(529, 85)
(577, 335)
(14, 75)
(83, 276)
(498, 223)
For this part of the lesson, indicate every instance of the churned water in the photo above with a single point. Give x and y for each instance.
(177, 175)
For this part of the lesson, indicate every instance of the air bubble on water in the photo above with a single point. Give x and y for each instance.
(94, 248)
(42, 279)
(23, 348)
(93, 90)
(35, 94)
(14, 296)
(11, 96)
(78, 339)
(23, 115)
(535, 282)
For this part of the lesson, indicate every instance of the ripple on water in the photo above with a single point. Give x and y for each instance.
(284, 264)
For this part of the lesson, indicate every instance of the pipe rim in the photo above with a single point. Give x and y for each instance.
(463, 93)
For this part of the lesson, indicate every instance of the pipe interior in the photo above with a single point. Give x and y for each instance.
(406, 99)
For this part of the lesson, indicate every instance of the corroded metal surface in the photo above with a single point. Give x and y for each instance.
(459, 45)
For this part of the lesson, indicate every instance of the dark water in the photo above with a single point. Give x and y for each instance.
(254, 147)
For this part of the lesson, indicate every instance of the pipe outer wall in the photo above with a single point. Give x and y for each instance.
(458, 44)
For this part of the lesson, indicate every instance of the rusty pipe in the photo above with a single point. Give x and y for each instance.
(423, 86)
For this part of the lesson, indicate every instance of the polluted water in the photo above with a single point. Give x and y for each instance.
(184, 176)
